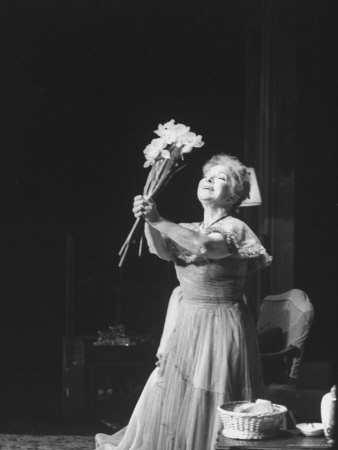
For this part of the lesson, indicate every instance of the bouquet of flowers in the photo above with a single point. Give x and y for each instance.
(164, 155)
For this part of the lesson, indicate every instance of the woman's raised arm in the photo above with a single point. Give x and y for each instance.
(141, 208)
(209, 245)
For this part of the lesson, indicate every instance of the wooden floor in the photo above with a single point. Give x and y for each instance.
(51, 442)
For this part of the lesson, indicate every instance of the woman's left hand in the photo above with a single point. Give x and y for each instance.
(146, 208)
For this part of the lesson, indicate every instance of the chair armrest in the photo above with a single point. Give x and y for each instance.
(290, 351)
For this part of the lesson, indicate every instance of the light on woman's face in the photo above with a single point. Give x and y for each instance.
(213, 187)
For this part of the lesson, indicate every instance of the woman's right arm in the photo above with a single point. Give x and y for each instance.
(156, 243)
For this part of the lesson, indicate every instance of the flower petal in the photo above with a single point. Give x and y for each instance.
(187, 148)
(165, 154)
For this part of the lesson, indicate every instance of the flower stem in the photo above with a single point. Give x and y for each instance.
(159, 175)
(130, 235)
(123, 255)
(140, 247)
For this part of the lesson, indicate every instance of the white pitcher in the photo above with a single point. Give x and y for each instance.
(327, 409)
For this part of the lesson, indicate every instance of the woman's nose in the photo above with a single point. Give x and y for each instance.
(210, 179)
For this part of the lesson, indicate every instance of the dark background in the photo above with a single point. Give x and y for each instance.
(84, 85)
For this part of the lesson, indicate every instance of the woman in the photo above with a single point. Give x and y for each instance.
(208, 353)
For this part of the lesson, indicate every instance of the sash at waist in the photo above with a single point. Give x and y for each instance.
(212, 294)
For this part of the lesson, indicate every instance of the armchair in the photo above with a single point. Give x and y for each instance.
(283, 325)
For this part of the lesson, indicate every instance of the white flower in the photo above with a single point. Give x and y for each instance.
(165, 130)
(165, 154)
(154, 150)
(190, 140)
(179, 132)
(172, 132)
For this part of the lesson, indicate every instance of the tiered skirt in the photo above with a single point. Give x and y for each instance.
(210, 357)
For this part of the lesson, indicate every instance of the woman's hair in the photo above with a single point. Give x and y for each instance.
(239, 176)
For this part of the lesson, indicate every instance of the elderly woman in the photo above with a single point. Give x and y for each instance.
(208, 353)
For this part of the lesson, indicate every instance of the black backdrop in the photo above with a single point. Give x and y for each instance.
(85, 83)
(316, 171)
(88, 81)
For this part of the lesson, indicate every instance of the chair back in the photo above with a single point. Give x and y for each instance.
(293, 312)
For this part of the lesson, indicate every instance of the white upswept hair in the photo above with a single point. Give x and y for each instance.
(239, 176)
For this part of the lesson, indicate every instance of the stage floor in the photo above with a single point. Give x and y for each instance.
(29, 442)
(51, 442)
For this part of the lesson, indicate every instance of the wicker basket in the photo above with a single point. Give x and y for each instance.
(238, 425)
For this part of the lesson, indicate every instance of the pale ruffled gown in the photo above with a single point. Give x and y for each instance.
(209, 347)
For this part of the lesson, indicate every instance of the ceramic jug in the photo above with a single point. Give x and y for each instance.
(327, 409)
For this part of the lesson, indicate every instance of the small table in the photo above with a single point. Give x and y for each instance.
(288, 439)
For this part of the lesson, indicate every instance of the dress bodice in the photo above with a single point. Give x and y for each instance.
(214, 282)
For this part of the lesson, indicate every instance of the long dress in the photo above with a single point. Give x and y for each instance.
(209, 349)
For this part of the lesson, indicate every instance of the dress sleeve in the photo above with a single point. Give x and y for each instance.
(182, 256)
(243, 243)
(177, 249)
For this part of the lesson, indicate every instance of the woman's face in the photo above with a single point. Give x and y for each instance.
(213, 187)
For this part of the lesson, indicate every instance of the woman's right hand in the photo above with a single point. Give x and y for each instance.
(146, 208)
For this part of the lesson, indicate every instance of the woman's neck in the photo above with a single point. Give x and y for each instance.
(212, 215)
